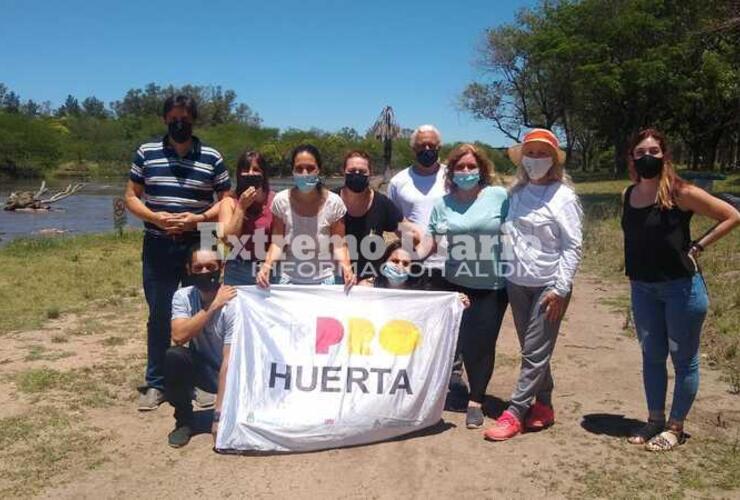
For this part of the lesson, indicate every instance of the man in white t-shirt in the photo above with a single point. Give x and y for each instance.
(414, 191)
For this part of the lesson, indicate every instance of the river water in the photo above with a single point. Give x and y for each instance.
(88, 211)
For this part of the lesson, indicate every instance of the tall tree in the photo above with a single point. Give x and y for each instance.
(94, 107)
(71, 107)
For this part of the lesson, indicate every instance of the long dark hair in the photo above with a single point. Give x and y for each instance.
(414, 282)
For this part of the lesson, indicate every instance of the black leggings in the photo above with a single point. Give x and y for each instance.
(479, 329)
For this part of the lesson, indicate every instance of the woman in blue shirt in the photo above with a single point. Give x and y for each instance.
(467, 221)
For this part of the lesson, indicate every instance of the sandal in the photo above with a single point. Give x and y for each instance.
(647, 432)
(666, 441)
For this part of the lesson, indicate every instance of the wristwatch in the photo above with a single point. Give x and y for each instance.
(216, 416)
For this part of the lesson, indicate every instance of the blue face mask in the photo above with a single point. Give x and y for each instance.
(394, 275)
(305, 183)
(466, 180)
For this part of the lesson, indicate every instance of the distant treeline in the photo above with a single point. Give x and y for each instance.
(89, 137)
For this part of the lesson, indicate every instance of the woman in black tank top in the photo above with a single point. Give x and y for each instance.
(656, 242)
(669, 298)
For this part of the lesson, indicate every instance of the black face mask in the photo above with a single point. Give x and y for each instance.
(356, 182)
(244, 182)
(648, 166)
(427, 157)
(206, 282)
(180, 131)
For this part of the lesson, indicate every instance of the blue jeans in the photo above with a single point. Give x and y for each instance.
(240, 272)
(163, 268)
(668, 319)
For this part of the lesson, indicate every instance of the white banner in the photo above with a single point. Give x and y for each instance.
(313, 368)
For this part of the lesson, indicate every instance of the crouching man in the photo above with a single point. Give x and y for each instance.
(202, 319)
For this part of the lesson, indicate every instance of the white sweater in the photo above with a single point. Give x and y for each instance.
(543, 236)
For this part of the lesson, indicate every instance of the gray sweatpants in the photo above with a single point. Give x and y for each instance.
(537, 338)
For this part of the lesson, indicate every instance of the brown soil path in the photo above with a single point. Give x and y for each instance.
(597, 371)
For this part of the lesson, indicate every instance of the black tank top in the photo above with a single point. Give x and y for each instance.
(656, 242)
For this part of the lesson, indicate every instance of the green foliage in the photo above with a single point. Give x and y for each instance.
(28, 145)
(596, 71)
(88, 139)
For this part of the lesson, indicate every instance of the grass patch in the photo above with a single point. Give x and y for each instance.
(89, 326)
(59, 338)
(113, 341)
(603, 255)
(37, 352)
(42, 444)
(44, 278)
(95, 386)
(77, 388)
(704, 466)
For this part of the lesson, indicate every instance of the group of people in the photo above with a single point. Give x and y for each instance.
(450, 227)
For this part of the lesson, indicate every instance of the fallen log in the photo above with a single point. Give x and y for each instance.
(25, 200)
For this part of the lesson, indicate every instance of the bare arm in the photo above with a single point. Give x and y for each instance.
(274, 252)
(699, 201)
(341, 253)
(132, 196)
(233, 211)
(184, 329)
(229, 217)
(211, 215)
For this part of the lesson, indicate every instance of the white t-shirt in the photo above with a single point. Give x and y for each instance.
(543, 227)
(308, 257)
(208, 345)
(415, 195)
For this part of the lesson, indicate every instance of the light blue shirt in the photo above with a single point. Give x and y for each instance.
(472, 232)
(209, 344)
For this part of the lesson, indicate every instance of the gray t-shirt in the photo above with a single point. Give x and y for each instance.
(209, 345)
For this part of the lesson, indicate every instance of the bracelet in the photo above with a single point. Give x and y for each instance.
(697, 245)
(216, 416)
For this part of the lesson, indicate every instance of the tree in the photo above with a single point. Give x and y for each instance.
(245, 115)
(30, 108)
(71, 107)
(596, 71)
(11, 102)
(94, 107)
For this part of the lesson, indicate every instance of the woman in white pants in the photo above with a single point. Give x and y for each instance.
(543, 236)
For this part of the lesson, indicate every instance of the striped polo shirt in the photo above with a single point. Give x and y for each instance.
(174, 184)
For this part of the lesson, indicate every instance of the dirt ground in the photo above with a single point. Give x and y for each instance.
(116, 452)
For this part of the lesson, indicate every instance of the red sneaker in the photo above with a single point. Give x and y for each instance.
(540, 417)
(507, 426)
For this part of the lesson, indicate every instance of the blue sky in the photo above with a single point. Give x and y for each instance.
(322, 63)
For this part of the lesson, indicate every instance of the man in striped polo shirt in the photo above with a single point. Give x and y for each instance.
(171, 188)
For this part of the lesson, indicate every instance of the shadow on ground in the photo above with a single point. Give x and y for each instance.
(610, 425)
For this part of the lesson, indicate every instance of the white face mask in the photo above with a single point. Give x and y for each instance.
(536, 168)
